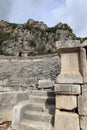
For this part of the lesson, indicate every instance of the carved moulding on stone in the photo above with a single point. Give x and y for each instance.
(67, 89)
(70, 65)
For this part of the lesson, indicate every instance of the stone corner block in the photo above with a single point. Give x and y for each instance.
(46, 83)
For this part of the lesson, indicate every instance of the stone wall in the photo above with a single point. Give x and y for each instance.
(71, 107)
(70, 87)
(19, 77)
(71, 90)
(67, 114)
(22, 73)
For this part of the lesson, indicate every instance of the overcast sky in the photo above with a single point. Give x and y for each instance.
(50, 12)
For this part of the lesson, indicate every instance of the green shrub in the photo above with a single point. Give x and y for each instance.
(32, 43)
(4, 36)
(41, 50)
(51, 29)
(13, 25)
(1, 52)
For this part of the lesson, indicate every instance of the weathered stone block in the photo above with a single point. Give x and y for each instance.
(83, 122)
(66, 102)
(12, 98)
(46, 83)
(66, 121)
(18, 112)
(70, 78)
(82, 105)
(67, 89)
(8, 100)
(67, 65)
(70, 71)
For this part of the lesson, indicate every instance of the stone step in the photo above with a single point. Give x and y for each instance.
(43, 93)
(38, 116)
(42, 108)
(38, 112)
(35, 125)
(42, 100)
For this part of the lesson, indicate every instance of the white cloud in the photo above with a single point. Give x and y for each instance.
(52, 12)
(74, 13)
(36, 9)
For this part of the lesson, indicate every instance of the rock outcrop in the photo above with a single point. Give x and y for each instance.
(33, 37)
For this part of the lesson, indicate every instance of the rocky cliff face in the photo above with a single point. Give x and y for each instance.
(33, 37)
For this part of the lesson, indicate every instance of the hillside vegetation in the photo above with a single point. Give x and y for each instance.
(33, 37)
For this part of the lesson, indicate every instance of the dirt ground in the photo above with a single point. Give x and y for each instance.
(5, 125)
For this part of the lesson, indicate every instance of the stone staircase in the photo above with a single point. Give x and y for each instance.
(37, 113)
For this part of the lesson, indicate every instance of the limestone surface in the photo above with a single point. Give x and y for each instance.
(66, 102)
(70, 66)
(68, 89)
(16, 73)
(46, 83)
(66, 121)
(35, 114)
(83, 122)
(8, 100)
(82, 105)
